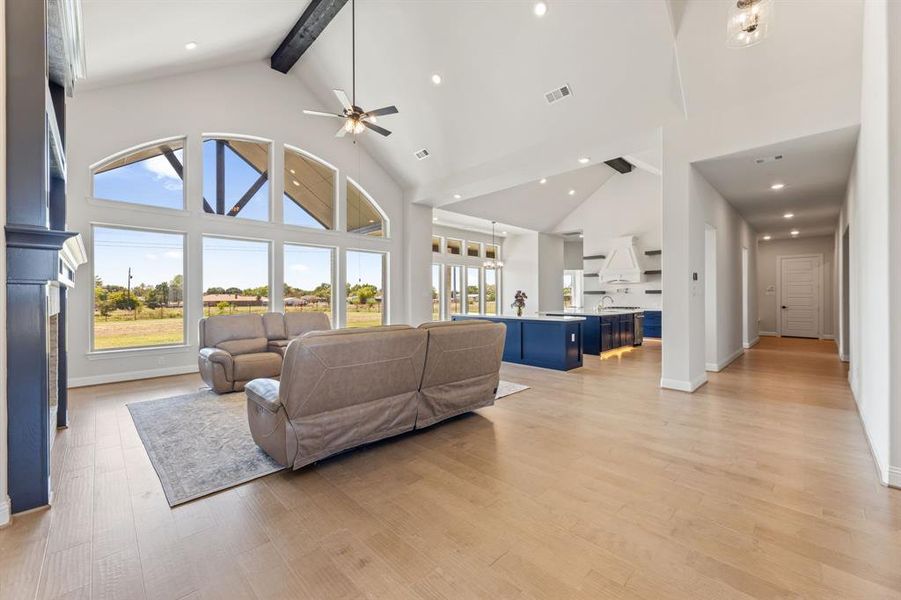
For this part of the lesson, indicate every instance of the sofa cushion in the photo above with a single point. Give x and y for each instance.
(279, 346)
(299, 323)
(246, 346)
(254, 366)
(224, 328)
(274, 323)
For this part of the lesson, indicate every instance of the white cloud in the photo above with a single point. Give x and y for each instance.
(161, 169)
(299, 267)
(151, 256)
(172, 254)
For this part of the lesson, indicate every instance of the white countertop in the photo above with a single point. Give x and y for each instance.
(604, 313)
(541, 317)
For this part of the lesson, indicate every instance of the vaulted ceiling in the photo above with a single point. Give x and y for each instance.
(632, 66)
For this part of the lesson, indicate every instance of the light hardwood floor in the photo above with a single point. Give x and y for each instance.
(593, 484)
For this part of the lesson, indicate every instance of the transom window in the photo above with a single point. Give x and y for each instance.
(152, 176)
(309, 199)
(236, 178)
(363, 216)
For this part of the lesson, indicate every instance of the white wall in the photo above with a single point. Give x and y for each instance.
(732, 234)
(550, 272)
(869, 212)
(418, 263)
(5, 507)
(627, 204)
(768, 254)
(249, 99)
(894, 169)
(572, 255)
(521, 272)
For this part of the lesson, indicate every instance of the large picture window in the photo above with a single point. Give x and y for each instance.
(138, 288)
(153, 176)
(235, 276)
(365, 288)
(491, 292)
(309, 279)
(309, 199)
(363, 216)
(453, 287)
(436, 292)
(236, 178)
(473, 290)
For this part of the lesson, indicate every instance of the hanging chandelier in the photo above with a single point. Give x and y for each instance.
(493, 263)
(748, 22)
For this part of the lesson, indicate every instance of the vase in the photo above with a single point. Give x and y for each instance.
(518, 311)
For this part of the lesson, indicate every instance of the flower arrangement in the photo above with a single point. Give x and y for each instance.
(519, 302)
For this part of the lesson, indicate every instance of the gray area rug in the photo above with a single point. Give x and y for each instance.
(200, 443)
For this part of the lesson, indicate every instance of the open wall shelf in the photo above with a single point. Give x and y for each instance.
(653, 291)
(653, 252)
(653, 272)
(594, 292)
(594, 257)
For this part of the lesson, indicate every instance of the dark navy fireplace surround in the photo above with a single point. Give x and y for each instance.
(35, 234)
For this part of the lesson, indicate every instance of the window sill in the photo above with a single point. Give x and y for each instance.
(144, 350)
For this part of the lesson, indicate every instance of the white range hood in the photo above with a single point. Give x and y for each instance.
(621, 264)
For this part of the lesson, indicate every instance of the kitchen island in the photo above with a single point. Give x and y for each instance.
(608, 329)
(552, 342)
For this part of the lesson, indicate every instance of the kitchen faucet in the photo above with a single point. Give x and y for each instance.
(612, 301)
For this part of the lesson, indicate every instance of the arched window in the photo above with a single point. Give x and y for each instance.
(310, 185)
(236, 178)
(152, 175)
(363, 214)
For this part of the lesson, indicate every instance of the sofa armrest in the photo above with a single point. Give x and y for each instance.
(219, 356)
(264, 393)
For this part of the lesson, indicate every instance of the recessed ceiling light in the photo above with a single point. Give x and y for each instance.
(540, 9)
(503, 233)
(581, 236)
(543, 180)
(788, 215)
(584, 160)
(572, 192)
(767, 237)
(457, 196)
(435, 219)
(795, 232)
(190, 45)
(292, 171)
(777, 186)
(436, 79)
(295, 182)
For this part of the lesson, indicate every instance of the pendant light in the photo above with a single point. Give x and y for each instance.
(493, 263)
(748, 22)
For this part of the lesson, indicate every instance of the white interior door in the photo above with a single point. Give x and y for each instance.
(800, 296)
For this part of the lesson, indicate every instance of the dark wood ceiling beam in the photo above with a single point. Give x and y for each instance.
(313, 21)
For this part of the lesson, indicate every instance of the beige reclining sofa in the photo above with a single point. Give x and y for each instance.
(237, 348)
(340, 389)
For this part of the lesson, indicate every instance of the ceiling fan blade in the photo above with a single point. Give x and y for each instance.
(318, 113)
(379, 112)
(343, 99)
(341, 132)
(376, 128)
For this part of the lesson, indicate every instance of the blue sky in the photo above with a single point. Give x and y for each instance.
(235, 263)
(153, 257)
(364, 267)
(152, 182)
(306, 266)
(239, 176)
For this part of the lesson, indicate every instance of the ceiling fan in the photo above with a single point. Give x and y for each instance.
(356, 120)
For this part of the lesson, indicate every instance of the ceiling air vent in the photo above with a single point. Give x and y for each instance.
(421, 154)
(768, 159)
(558, 94)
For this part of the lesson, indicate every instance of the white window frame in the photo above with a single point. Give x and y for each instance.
(92, 350)
(386, 222)
(269, 260)
(333, 274)
(270, 207)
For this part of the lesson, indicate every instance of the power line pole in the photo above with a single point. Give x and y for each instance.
(128, 294)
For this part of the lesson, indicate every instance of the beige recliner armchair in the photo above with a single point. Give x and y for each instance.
(340, 389)
(237, 348)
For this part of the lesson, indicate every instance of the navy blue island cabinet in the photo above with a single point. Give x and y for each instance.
(608, 330)
(548, 342)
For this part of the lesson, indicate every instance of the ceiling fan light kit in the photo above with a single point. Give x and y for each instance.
(356, 120)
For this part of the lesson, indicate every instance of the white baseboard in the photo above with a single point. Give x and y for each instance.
(75, 382)
(828, 336)
(894, 477)
(717, 367)
(683, 386)
(883, 475)
(5, 511)
(752, 343)
(768, 333)
(845, 357)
